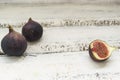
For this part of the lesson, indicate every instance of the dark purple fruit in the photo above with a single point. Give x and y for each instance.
(14, 44)
(100, 50)
(32, 30)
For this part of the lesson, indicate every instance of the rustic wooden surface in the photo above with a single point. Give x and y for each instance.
(62, 52)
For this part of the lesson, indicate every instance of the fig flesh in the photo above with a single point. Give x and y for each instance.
(100, 50)
(13, 44)
(32, 30)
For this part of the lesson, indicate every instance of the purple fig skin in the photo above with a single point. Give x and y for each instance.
(14, 44)
(93, 57)
(32, 30)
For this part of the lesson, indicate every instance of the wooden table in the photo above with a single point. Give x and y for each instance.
(62, 52)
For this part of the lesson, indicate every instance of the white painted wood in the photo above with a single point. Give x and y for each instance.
(63, 1)
(62, 53)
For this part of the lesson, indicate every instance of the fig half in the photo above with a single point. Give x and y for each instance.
(32, 30)
(100, 50)
(13, 44)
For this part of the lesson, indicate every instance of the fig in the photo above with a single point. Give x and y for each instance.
(100, 50)
(13, 44)
(32, 30)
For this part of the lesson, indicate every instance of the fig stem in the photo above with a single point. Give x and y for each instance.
(30, 19)
(114, 48)
(10, 28)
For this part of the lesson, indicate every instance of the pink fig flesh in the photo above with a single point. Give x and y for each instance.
(99, 50)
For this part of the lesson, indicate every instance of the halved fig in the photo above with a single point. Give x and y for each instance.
(100, 50)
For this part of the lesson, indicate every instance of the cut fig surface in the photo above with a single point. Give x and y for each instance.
(99, 50)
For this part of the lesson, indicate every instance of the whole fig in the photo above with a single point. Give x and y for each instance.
(13, 44)
(32, 30)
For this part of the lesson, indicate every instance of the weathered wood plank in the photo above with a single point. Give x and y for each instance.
(70, 39)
